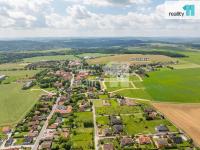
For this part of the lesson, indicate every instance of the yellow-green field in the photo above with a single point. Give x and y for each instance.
(129, 59)
(48, 58)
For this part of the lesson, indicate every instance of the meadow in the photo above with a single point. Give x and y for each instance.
(174, 85)
(83, 136)
(15, 103)
(13, 76)
(11, 66)
(50, 58)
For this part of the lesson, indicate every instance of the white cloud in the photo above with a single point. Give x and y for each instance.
(40, 16)
(115, 2)
(23, 12)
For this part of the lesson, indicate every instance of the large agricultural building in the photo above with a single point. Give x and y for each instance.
(2, 77)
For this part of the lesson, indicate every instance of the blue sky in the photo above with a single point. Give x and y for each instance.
(84, 18)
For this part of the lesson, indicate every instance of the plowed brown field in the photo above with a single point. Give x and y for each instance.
(184, 116)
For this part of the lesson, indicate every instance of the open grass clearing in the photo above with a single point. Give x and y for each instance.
(15, 103)
(135, 93)
(138, 124)
(113, 86)
(12, 66)
(174, 85)
(13, 76)
(116, 110)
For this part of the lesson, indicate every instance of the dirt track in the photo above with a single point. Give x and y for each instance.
(184, 116)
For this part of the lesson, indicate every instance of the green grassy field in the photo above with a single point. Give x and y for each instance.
(48, 58)
(135, 93)
(135, 125)
(113, 86)
(174, 86)
(15, 103)
(82, 137)
(18, 74)
(193, 57)
(10, 66)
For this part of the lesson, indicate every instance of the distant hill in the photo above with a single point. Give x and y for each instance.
(45, 44)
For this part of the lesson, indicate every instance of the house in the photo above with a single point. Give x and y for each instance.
(108, 147)
(107, 132)
(9, 142)
(161, 143)
(65, 133)
(28, 140)
(128, 102)
(63, 109)
(144, 140)
(84, 105)
(149, 110)
(161, 128)
(151, 116)
(53, 126)
(106, 103)
(117, 129)
(33, 134)
(176, 140)
(122, 102)
(6, 130)
(115, 120)
(74, 63)
(2, 77)
(28, 85)
(48, 134)
(126, 141)
(45, 145)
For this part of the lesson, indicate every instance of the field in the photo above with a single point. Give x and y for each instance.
(83, 136)
(13, 76)
(184, 116)
(135, 93)
(128, 58)
(48, 58)
(15, 103)
(174, 86)
(136, 123)
(134, 88)
(10, 66)
(193, 57)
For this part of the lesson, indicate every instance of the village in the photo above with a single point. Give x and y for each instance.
(80, 114)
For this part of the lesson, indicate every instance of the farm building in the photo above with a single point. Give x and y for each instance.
(2, 77)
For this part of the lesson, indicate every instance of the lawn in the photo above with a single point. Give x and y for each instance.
(15, 103)
(135, 93)
(113, 86)
(116, 110)
(13, 76)
(48, 58)
(193, 57)
(135, 125)
(10, 66)
(174, 86)
(82, 137)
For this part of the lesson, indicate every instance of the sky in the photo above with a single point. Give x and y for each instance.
(91, 18)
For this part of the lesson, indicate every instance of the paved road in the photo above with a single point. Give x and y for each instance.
(17, 147)
(72, 81)
(37, 142)
(96, 137)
